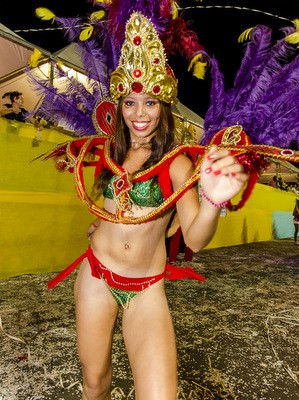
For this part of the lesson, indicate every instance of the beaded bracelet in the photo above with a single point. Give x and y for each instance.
(217, 205)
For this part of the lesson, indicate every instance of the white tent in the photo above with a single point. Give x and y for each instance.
(15, 54)
(287, 171)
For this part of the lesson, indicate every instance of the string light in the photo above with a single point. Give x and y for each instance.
(238, 8)
(179, 8)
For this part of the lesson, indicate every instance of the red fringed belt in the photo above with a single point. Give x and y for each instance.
(98, 270)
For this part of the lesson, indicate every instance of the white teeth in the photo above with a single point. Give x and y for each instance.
(140, 125)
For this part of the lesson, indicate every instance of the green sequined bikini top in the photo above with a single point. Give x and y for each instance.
(143, 193)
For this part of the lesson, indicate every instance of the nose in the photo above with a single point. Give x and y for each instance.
(140, 110)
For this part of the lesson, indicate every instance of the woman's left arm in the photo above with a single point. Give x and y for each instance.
(221, 178)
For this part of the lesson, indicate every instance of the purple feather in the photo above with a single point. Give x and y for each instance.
(264, 99)
(73, 106)
(71, 27)
(218, 101)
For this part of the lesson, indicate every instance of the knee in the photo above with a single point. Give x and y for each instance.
(97, 387)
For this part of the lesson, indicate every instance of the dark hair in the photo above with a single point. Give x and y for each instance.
(13, 95)
(6, 94)
(162, 142)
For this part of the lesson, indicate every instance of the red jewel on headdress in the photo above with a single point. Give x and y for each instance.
(137, 87)
(156, 61)
(122, 61)
(137, 73)
(137, 40)
(120, 87)
(156, 89)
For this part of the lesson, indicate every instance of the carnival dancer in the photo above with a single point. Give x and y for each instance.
(143, 176)
(125, 262)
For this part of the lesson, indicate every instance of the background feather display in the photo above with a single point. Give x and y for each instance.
(264, 98)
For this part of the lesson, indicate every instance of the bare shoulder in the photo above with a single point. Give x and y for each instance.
(181, 169)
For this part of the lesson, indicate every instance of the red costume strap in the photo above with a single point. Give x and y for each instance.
(98, 270)
(174, 272)
(63, 274)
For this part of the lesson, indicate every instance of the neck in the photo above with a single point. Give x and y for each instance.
(136, 144)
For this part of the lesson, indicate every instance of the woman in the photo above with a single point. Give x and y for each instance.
(139, 251)
(125, 263)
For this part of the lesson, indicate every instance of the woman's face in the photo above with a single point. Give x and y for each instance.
(141, 114)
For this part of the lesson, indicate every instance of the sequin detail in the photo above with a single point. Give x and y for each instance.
(143, 194)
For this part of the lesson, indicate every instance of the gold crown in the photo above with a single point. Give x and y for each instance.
(142, 65)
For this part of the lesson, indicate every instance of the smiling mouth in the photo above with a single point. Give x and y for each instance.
(140, 125)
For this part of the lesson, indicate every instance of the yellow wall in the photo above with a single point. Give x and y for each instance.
(43, 223)
(254, 222)
(268, 198)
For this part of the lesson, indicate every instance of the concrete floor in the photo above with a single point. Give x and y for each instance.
(237, 334)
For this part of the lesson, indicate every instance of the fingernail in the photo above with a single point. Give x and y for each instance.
(211, 157)
(208, 170)
(217, 172)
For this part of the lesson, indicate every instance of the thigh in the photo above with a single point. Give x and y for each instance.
(96, 312)
(150, 342)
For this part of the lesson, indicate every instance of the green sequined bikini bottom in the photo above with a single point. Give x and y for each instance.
(125, 288)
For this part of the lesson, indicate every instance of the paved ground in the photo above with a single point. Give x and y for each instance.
(237, 333)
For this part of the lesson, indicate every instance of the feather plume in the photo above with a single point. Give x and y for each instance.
(264, 98)
(71, 108)
(180, 40)
(218, 102)
(246, 35)
(86, 32)
(293, 37)
(45, 14)
(71, 27)
(251, 64)
(35, 57)
(97, 15)
(95, 61)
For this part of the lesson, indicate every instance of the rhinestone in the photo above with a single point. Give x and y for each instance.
(137, 73)
(156, 89)
(137, 40)
(137, 87)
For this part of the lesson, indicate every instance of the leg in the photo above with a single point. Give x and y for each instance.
(150, 342)
(296, 226)
(96, 312)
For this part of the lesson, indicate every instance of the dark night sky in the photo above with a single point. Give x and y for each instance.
(217, 28)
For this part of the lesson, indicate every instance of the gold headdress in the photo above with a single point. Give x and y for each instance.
(142, 65)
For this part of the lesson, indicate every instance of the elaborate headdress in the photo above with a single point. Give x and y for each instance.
(99, 39)
(142, 66)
